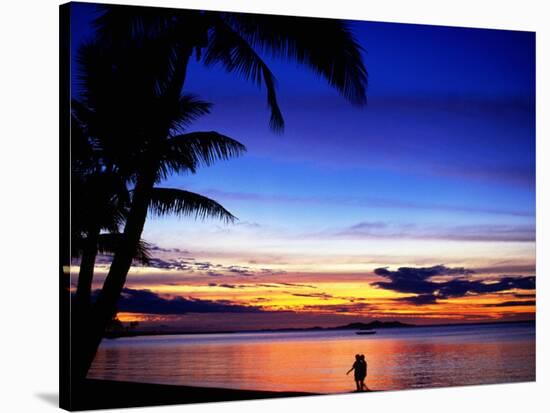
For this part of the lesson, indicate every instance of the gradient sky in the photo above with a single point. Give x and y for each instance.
(437, 170)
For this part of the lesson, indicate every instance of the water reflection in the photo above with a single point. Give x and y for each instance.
(318, 362)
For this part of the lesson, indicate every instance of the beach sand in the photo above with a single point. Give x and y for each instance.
(106, 394)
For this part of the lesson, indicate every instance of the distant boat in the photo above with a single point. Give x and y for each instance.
(362, 333)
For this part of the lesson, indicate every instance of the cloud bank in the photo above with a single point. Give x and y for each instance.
(146, 301)
(419, 281)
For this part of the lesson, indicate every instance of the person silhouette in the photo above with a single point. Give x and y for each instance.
(358, 370)
(362, 372)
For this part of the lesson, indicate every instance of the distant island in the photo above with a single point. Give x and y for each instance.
(359, 326)
(352, 326)
(372, 325)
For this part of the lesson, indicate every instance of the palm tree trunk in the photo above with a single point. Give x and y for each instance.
(81, 303)
(86, 274)
(104, 309)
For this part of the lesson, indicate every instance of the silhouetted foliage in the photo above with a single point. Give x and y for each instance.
(237, 40)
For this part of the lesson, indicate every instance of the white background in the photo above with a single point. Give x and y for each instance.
(29, 203)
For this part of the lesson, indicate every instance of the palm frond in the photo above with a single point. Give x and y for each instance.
(226, 46)
(327, 46)
(108, 243)
(99, 201)
(186, 152)
(117, 23)
(188, 109)
(82, 151)
(166, 201)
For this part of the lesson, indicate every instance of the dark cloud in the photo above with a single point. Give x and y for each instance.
(339, 308)
(148, 302)
(203, 265)
(270, 285)
(507, 268)
(230, 286)
(222, 270)
(239, 270)
(525, 295)
(322, 296)
(512, 304)
(298, 285)
(421, 299)
(161, 249)
(281, 285)
(239, 286)
(459, 288)
(416, 280)
(269, 271)
(172, 264)
(419, 281)
(170, 259)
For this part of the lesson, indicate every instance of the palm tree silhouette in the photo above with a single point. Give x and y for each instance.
(99, 200)
(237, 42)
(135, 104)
(151, 145)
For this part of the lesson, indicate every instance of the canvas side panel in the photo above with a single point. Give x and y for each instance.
(64, 206)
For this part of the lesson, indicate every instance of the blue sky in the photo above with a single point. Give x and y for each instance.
(449, 122)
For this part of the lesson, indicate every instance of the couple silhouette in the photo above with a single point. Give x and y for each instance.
(360, 372)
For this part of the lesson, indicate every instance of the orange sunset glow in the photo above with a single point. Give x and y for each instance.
(274, 298)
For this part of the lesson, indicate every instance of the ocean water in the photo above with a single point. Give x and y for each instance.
(400, 358)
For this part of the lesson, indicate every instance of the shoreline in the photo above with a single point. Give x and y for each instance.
(122, 334)
(109, 394)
